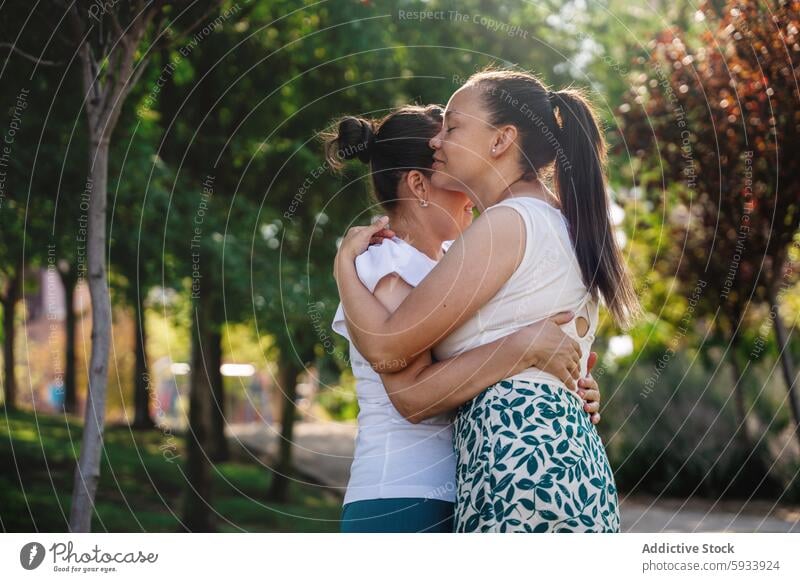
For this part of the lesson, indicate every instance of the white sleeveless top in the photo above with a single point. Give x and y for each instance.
(547, 281)
(393, 457)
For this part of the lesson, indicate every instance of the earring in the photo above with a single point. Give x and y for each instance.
(423, 203)
(494, 150)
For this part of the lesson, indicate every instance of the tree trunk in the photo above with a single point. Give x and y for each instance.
(9, 300)
(281, 475)
(739, 394)
(87, 472)
(220, 451)
(70, 387)
(142, 385)
(197, 515)
(787, 362)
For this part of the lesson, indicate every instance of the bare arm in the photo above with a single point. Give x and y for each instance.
(475, 267)
(426, 388)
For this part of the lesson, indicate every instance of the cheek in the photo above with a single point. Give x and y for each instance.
(467, 153)
(450, 218)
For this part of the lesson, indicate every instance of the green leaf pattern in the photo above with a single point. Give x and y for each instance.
(530, 460)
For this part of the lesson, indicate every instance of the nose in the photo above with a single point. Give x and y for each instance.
(436, 141)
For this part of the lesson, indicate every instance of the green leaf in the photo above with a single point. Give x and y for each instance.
(504, 482)
(525, 484)
(548, 515)
(517, 416)
(500, 450)
(510, 493)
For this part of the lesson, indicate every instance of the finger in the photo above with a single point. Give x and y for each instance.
(591, 363)
(385, 233)
(588, 382)
(595, 418)
(591, 395)
(566, 377)
(576, 371)
(379, 224)
(592, 407)
(376, 240)
(562, 318)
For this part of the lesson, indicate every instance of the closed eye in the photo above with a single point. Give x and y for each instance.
(449, 129)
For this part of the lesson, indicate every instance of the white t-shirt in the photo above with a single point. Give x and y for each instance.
(393, 457)
(547, 281)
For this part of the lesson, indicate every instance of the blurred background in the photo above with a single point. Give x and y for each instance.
(161, 165)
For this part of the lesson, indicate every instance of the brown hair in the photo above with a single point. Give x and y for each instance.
(560, 129)
(391, 146)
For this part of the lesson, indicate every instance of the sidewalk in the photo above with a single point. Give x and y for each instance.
(323, 453)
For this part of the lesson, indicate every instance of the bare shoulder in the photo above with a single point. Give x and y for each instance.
(499, 229)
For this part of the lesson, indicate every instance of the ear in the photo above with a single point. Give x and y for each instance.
(503, 139)
(417, 185)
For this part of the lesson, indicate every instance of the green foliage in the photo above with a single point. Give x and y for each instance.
(141, 483)
(670, 429)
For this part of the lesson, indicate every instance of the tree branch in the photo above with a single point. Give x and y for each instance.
(213, 8)
(38, 61)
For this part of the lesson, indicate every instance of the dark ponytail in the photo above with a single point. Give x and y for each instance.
(579, 178)
(391, 146)
(558, 131)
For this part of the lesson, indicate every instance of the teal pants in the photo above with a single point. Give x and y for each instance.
(399, 515)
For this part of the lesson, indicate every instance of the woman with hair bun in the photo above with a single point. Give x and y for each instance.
(403, 474)
(527, 457)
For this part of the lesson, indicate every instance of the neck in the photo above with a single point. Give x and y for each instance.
(532, 189)
(494, 186)
(417, 236)
(498, 190)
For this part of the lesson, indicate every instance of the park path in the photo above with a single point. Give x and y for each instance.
(323, 452)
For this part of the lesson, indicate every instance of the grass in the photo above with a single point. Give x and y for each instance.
(140, 487)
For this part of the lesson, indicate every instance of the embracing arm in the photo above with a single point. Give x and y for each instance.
(426, 388)
(472, 271)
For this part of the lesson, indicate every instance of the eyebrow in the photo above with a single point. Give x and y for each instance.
(451, 112)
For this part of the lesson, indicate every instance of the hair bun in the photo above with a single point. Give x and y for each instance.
(356, 139)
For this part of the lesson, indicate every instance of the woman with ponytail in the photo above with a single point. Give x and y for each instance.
(527, 459)
(403, 474)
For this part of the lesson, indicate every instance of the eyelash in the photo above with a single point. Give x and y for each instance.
(449, 129)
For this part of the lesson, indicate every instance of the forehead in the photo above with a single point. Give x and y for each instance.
(465, 102)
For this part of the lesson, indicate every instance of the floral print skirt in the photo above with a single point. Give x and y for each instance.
(530, 460)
